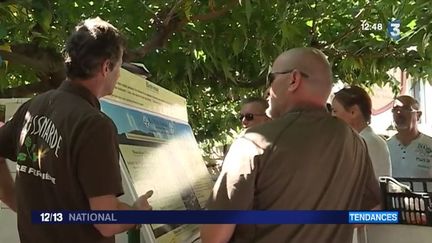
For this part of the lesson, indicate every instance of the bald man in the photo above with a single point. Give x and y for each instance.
(410, 150)
(304, 160)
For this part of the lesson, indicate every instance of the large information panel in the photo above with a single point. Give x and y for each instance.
(159, 152)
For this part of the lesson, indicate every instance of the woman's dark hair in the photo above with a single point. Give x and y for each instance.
(355, 95)
(92, 42)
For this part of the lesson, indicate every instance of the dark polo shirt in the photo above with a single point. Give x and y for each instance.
(305, 160)
(66, 151)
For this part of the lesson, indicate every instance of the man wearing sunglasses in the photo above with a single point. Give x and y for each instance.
(303, 160)
(410, 150)
(252, 112)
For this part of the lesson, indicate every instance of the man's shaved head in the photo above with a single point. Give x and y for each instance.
(310, 61)
(408, 101)
(303, 77)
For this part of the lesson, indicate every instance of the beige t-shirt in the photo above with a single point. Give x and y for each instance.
(305, 160)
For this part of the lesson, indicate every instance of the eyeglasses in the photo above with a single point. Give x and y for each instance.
(398, 109)
(272, 76)
(249, 116)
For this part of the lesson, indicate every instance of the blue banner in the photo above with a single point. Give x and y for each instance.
(215, 217)
(373, 217)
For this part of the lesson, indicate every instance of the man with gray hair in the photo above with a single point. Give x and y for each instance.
(66, 149)
(410, 150)
(303, 160)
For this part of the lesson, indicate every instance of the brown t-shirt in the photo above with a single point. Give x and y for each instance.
(66, 151)
(305, 160)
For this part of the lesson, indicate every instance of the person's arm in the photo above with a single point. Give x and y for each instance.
(234, 188)
(100, 159)
(7, 186)
(110, 202)
(387, 160)
(216, 233)
(8, 140)
(372, 198)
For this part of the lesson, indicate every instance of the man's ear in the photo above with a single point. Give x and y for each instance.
(295, 80)
(106, 67)
(354, 110)
(419, 113)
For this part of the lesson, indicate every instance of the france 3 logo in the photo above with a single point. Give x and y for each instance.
(393, 29)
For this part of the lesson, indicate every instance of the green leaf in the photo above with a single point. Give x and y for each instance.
(3, 32)
(237, 46)
(187, 6)
(264, 29)
(46, 19)
(35, 157)
(285, 33)
(227, 70)
(424, 44)
(412, 24)
(248, 8)
(189, 70)
(28, 142)
(21, 157)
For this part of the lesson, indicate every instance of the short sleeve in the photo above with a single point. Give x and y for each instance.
(96, 153)
(10, 132)
(235, 186)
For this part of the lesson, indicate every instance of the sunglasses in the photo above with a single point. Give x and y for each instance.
(398, 109)
(249, 116)
(272, 76)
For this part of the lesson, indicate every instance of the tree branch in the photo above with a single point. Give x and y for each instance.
(260, 82)
(171, 24)
(313, 40)
(372, 55)
(49, 65)
(346, 33)
(25, 90)
(19, 59)
(172, 12)
(224, 101)
(46, 63)
(165, 29)
(215, 14)
(341, 37)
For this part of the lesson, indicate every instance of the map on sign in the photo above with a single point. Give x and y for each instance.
(159, 152)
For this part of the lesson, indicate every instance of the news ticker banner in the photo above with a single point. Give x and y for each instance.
(215, 217)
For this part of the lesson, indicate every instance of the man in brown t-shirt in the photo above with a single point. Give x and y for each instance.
(66, 149)
(302, 160)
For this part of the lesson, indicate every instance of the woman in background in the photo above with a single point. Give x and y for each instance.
(354, 106)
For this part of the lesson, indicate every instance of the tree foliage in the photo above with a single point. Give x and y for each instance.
(217, 52)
